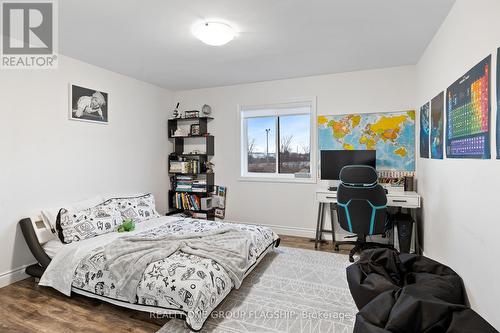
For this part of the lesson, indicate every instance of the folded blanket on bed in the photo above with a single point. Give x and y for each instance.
(128, 257)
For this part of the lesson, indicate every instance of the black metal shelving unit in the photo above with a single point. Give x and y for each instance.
(179, 154)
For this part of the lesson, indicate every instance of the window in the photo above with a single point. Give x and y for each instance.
(276, 142)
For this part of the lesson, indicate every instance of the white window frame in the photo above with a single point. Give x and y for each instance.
(270, 110)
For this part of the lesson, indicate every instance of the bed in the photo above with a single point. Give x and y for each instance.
(182, 285)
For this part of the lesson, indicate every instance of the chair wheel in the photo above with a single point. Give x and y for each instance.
(336, 248)
(351, 259)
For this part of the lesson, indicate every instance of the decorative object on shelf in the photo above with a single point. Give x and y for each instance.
(206, 110)
(209, 166)
(191, 114)
(195, 129)
(206, 203)
(88, 105)
(180, 132)
(176, 113)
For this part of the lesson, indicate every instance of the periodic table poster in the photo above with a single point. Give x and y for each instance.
(468, 114)
(498, 104)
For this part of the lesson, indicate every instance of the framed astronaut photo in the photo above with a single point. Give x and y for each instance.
(88, 104)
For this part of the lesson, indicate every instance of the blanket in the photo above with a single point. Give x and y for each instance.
(60, 272)
(128, 257)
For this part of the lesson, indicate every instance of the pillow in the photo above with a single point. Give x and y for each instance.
(52, 247)
(75, 225)
(49, 216)
(138, 208)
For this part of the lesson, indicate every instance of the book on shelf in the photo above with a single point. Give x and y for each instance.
(190, 184)
(187, 201)
(191, 166)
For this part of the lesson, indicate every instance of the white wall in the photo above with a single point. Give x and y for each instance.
(289, 207)
(47, 160)
(461, 196)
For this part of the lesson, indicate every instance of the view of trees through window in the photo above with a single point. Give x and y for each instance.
(261, 136)
(293, 143)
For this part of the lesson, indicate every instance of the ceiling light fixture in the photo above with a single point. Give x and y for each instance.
(214, 33)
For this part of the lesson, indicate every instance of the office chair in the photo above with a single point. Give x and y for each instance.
(362, 207)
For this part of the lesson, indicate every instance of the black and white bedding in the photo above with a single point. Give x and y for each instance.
(79, 224)
(181, 284)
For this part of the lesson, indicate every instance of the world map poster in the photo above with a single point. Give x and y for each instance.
(468, 111)
(392, 135)
(437, 124)
(424, 130)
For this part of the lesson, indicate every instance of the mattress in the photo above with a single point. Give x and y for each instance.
(182, 284)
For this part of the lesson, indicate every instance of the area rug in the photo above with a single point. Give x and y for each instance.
(291, 290)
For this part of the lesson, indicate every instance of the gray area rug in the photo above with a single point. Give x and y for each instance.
(291, 290)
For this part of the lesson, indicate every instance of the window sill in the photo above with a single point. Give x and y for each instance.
(278, 180)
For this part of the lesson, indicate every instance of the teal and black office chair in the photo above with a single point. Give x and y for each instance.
(361, 207)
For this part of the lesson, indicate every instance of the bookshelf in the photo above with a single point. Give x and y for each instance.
(191, 182)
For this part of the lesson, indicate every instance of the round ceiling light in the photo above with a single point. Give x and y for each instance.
(214, 33)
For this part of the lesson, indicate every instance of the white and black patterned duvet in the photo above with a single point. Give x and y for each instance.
(184, 284)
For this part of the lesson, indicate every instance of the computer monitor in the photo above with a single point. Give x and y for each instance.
(332, 161)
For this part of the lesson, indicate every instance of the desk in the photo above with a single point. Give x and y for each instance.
(410, 200)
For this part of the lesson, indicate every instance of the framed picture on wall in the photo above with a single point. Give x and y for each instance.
(87, 104)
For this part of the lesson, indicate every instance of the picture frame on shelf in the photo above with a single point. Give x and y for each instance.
(195, 129)
(191, 114)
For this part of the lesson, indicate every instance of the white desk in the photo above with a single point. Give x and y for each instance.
(410, 200)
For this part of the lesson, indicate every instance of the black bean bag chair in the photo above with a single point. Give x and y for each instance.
(409, 293)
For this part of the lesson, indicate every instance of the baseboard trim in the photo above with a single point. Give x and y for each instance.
(13, 276)
(292, 231)
(295, 231)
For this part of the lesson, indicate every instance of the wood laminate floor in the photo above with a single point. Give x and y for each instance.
(26, 307)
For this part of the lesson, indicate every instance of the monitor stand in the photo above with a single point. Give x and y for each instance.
(333, 185)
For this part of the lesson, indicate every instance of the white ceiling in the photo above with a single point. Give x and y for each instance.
(151, 40)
